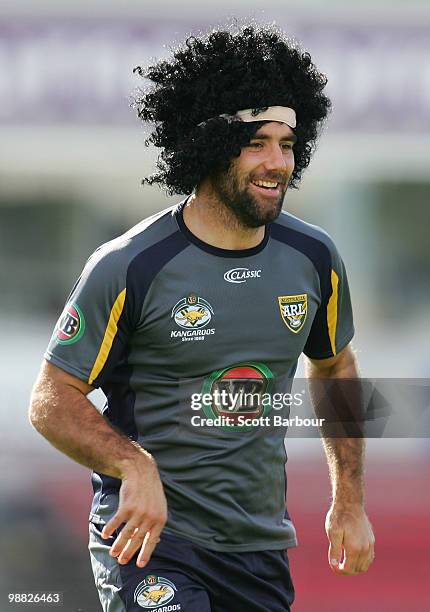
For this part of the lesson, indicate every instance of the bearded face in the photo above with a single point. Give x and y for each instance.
(254, 186)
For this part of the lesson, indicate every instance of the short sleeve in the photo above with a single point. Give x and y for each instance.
(332, 328)
(91, 336)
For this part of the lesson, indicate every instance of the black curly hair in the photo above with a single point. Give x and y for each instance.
(221, 73)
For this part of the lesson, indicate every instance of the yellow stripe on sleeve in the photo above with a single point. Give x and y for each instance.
(332, 311)
(110, 333)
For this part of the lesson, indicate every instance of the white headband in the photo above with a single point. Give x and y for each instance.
(273, 113)
(282, 114)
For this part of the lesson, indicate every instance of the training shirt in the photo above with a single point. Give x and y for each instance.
(164, 323)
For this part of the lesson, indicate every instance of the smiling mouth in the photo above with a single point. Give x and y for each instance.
(266, 184)
(268, 187)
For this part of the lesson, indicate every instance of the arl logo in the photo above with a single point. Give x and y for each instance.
(294, 310)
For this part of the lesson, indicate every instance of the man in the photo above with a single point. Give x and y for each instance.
(221, 292)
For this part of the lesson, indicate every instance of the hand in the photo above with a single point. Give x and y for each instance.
(143, 509)
(349, 532)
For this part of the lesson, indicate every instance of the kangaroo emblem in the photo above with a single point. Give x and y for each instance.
(156, 595)
(192, 316)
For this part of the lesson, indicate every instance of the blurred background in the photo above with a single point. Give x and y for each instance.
(71, 160)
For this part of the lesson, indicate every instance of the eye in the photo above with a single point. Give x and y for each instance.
(255, 145)
(287, 146)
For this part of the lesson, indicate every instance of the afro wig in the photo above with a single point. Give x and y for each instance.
(221, 73)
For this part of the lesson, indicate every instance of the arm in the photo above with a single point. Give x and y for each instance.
(347, 525)
(60, 411)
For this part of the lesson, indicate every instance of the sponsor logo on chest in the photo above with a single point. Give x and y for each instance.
(241, 275)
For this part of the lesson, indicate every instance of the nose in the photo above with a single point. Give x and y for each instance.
(275, 159)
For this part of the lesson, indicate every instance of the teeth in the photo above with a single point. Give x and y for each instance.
(265, 184)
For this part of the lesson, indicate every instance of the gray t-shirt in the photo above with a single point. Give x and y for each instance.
(159, 318)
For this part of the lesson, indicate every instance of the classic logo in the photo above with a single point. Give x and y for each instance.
(192, 312)
(241, 275)
(71, 325)
(244, 384)
(154, 592)
(294, 310)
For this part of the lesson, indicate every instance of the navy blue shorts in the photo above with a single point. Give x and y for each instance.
(183, 576)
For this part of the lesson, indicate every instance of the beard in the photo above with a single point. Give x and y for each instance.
(250, 210)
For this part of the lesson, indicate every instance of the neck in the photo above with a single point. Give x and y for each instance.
(212, 222)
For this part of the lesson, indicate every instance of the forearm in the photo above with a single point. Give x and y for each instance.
(70, 422)
(345, 458)
(345, 455)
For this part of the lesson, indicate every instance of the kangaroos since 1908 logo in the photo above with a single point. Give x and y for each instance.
(294, 310)
(155, 591)
(192, 312)
(71, 325)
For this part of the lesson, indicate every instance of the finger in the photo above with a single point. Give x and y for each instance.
(150, 542)
(133, 544)
(112, 525)
(372, 549)
(144, 538)
(367, 556)
(335, 549)
(349, 566)
(362, 562)
(127, 533)
(367, 560)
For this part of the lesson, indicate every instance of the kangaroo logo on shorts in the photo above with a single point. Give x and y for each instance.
(71, 325)
(154, 592)
(294, 310)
